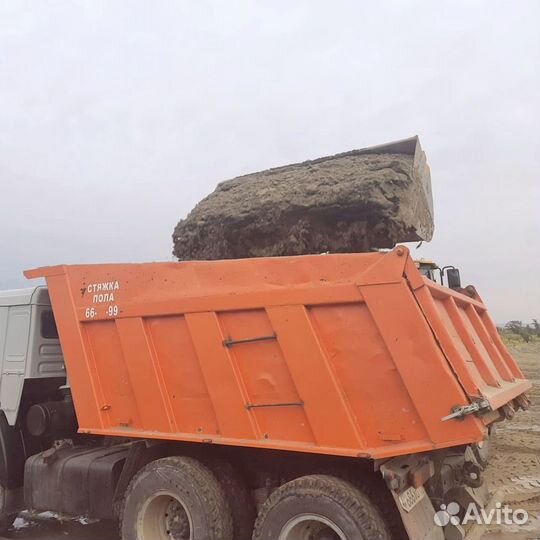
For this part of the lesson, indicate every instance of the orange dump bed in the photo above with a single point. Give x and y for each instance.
(353, 354)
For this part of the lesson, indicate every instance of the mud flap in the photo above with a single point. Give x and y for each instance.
(418, 514)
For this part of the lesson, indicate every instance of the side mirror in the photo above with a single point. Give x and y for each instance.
(453, 278)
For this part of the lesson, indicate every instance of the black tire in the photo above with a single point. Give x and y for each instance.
(6, 520)
(5, 523)
(239, 497)
(325, 505)
(176, 494)
(375, 488)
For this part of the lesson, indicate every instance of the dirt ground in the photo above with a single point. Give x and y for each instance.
(514, 468)
(514, 465)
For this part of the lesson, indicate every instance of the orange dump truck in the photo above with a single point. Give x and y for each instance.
(319, 397)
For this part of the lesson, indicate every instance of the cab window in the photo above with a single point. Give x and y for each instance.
(48, 325)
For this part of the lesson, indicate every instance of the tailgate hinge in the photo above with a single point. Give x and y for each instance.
(460, 411)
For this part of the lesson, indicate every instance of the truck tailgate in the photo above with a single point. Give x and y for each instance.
(471, 343)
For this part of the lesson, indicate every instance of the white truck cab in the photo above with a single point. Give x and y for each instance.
(32, 372)
(29, 345)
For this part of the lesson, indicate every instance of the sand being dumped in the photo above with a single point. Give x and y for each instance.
(350, 202)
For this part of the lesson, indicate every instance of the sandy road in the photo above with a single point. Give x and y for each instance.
(514, 467)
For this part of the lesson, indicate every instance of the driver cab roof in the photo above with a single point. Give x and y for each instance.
(21, 297)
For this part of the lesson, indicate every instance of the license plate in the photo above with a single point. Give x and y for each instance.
(411, 497)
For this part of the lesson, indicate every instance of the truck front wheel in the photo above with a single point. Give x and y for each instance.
(175, 498)
(6, 520)
(5, 523)
(319, 507)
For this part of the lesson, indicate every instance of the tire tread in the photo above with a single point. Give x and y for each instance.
(340, 491)
(211, 490)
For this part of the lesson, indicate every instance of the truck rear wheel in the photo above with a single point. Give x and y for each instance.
(175, 498)
(319, 507)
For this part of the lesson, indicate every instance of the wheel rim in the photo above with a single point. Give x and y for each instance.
(164, 517)
(311, 527)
